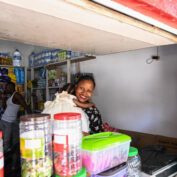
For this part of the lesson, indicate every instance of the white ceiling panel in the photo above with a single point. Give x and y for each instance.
(60, 24)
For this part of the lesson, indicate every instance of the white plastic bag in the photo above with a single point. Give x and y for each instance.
(64, 103)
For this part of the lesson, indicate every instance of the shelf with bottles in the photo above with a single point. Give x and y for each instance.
(56, 57)
(51, 70)
(5, 59)
(56, 78)
(11, 66)
(38, 99)
(38, 80)
(64, 62)
(14, 61)
(15, 75)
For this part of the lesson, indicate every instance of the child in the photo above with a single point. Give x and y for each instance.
(70, 89)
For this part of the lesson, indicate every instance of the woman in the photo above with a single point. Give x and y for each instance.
(83, 90)
(8, 122)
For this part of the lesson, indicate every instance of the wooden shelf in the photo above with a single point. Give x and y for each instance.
(54, 87)
(10, 66)
(39, 88)
(14, 83)
(83, 58)
(63, 62)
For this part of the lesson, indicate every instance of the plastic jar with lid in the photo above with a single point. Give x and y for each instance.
(67, 144)
(36, 145)
(134, 163)
(1, 156)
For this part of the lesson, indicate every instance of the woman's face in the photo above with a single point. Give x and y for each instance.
(84, 90)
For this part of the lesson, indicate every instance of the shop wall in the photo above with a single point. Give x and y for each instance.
(134, 95)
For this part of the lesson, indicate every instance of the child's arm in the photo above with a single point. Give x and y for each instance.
(83, 105)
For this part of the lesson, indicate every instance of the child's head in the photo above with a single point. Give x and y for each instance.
(84, 88)
(69, 88)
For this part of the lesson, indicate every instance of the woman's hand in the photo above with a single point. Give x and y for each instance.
(85, 134)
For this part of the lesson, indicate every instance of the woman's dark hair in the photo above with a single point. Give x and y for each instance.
(86, 77)
(70, 88)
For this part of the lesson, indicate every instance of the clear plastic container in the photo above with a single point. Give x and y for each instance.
(36, 145)
(103, 151)
(1, 156)
(134, 163)
(67, 144)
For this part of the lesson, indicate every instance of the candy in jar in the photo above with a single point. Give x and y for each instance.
(67, 144)
(36, 145)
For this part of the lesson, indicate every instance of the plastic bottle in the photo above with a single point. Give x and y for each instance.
(31, 59)
(134, 163)
(1, 156)
(17, 59)
(68, 56)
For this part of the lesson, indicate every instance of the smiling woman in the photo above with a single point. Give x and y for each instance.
(84, 89)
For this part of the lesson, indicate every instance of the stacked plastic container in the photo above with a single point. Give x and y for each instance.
(1, 156)
(104, 151)
(118, 171)
(36, 145)
(67, 144)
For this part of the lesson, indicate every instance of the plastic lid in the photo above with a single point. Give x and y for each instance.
(67, 116)
(103, 140)
(34, 117)
(0, 134)
(82, 173)
(132, 152)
